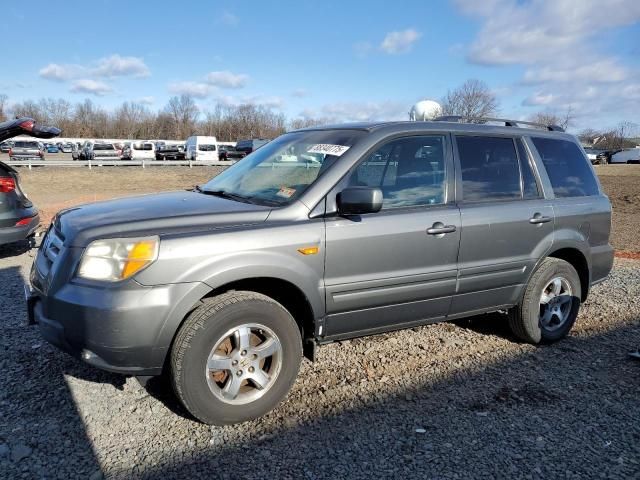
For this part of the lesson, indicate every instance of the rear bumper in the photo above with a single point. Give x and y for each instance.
(601, 263)
(17, 234)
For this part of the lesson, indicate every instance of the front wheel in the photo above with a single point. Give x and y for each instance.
(550, 303)
(235, 357)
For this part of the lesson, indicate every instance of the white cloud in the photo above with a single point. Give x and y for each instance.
(117, 66)
(604, 70)
(146, 100)
(300, 93)
(226, 79)
(230, 19)
(559, 44)
(268, 101)
(538, 99)
(92, 87)
(516, 32)
(106, 67)
(358, 111)
(400, 42)
(195, 89)
(60, 73)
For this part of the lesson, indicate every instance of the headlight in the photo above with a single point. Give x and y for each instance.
(118, 258)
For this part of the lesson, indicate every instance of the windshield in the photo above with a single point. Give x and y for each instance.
(283, 169)
(103, 146)
(206, 148)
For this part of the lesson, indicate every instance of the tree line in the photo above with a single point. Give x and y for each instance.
(181, 118)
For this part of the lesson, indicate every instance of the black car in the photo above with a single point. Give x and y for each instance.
(18, 216)
(228, 152)
(248, 146)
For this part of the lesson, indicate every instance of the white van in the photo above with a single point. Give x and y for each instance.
(201, 148)
(139, 150)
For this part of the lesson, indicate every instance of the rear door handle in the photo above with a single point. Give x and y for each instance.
(440, 228)
(538, 218)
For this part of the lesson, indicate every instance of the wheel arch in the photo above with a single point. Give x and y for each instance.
(577, 259)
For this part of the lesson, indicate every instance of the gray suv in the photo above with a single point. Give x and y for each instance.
(320, 235)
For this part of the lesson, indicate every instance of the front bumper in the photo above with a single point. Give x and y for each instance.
(17, 234)
(126, 329)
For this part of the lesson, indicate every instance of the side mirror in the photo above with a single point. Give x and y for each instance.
(359, 200)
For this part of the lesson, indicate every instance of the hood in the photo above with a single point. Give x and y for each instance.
(155, 214)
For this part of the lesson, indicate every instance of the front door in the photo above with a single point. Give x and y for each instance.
(396, 267)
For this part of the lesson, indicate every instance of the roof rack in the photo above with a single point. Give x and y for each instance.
(507, 123)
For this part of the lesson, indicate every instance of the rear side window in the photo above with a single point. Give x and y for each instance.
(490, 169)
(568, 169)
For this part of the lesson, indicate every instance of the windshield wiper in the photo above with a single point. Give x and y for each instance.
(225, 194)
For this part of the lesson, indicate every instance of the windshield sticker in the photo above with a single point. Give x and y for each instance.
(286, 192)
(328, 149)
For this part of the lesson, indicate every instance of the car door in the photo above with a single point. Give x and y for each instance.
(507, 224)
(397, 267)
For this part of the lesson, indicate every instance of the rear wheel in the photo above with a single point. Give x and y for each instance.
(235, 358)
(550, 303)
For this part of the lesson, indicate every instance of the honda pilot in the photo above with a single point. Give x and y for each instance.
(325, 234)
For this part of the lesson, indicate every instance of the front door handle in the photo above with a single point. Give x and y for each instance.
(440, 228)
(538, 218)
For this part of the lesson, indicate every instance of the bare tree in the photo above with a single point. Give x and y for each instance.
(184, 113)
(3, 107)
(550, 117)
(297, 123)
(471, 100)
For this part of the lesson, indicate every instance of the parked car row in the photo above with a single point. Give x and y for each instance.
(196, 148)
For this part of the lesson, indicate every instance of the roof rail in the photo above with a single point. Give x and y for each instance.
(507, 123)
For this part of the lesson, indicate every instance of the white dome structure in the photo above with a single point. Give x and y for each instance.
(425, 110)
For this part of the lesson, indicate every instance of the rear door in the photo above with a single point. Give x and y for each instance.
(507, 224)
(398, 266)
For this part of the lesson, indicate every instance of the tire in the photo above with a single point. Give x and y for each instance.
(217, 323)
(544, 316)
(603, 161)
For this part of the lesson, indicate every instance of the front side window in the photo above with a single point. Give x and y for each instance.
(410, 171)
(568, 169)
(283, 169)
(490, 169)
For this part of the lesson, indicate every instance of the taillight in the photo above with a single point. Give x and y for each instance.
(40, 153)
(7, 184)
(10, 151)
(27, 125)
(23, 222)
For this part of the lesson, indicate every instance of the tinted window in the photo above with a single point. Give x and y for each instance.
(26, 144)
(103, 146)
(568, 169)
(529, 184)
(409, 171)
(490, 169)
(206, 148)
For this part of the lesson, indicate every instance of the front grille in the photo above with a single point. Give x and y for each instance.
(52, 246)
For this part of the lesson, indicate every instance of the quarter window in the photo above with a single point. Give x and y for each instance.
(410, 171)
(490, 169)
(568, 169)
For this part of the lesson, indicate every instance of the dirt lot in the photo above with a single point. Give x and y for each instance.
(453, 400)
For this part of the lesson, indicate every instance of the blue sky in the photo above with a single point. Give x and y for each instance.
(332, 59)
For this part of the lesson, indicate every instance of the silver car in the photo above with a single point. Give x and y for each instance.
(320, 235)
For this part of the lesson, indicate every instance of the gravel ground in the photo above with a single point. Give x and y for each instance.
(453, 400)
(444, 401)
